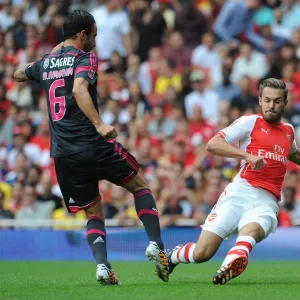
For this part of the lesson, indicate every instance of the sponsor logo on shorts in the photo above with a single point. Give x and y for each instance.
(99, 239)
(71, 201)
(212, 217)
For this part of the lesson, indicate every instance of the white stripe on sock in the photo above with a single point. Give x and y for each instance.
(191, 253)
(181, 255)
(248, 239)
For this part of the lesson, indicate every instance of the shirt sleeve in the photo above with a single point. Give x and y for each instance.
(294, 147)
(237, 130)
(86, 67)
(33, 72)
(125, 25)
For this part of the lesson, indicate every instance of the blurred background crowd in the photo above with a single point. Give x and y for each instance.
(172, 73)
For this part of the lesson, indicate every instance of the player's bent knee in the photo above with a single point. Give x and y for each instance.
(137, 183)
(203, 254)
(95, 210)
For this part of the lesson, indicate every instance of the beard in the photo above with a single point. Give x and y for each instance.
(87, 46)
(272, 117)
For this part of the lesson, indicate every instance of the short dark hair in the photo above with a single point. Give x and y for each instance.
(273, 83)
(77, 21)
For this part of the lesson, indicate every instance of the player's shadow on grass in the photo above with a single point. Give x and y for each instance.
(174, 283)
(277, 282)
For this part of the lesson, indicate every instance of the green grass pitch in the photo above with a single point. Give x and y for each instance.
(76, 280)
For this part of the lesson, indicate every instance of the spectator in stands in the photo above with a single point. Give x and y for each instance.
(150, 26)
(150, 68)
(114, 31)
(227, 91)
(160, 126)
(4, 214)
(139, 99)
(37, 14)
(8, 125)
(278, 28)
(296, 41)
(207, 99)
(7, 19)
(114, 113)
(45, 192)
(19, 145)
(167, 76)
(235, 18)
(247, 99)
(19, 172)
(115, 65)
(191, 23)
(42, 140)
(4, 102)
(172, 210)
(291, 12)
(207, 57)
(21, 94)
(33, 175)
(177, 51)
(31, 208)
(199, 125)
(249, 63)
(19, 28)
(134, 73)
(16, 201)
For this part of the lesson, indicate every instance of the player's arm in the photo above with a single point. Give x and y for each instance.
(295, 151)
(20, 74)
(295, 157)
(85, 103)
(29, 71)
(218, 146)
(221, 144)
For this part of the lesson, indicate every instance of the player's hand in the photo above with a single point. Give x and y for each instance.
(256, 162)
(107, 131)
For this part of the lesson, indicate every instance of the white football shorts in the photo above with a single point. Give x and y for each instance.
(240, 204)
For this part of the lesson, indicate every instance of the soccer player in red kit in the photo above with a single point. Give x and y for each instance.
(248, 205)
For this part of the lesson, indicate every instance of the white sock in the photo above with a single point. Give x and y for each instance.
(243, 246)
(184, 254)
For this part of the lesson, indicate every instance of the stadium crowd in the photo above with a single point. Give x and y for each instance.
(171, 74)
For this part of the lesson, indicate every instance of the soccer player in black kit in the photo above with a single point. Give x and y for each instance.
(84, 149)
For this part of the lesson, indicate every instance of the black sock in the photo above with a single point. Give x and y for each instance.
(146, 210)
(96, 237)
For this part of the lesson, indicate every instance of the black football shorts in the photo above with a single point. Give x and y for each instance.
(78, 174)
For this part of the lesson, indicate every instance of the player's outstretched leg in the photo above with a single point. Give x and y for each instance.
(236, 260)
(199, 252)
(96, 237)
(147, 212)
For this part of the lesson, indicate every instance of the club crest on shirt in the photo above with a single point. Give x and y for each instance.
(46, 63)
(289, 137)
(91, 73)
(212, 217)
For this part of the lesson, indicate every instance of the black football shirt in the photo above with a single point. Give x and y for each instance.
(71, 130)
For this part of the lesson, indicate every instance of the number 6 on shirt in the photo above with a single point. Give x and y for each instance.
(59, 101)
